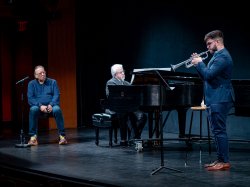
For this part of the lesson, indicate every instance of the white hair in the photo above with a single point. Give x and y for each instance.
(115, 68)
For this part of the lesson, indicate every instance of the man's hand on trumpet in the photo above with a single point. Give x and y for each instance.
(195, 58)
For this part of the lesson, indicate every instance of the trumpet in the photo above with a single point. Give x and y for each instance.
(188, 62)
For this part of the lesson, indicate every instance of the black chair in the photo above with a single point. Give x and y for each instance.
(43, 121)
(107, 121)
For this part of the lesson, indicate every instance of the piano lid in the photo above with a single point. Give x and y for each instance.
(149, 76)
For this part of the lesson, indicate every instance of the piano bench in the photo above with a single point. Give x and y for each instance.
(108, 121)
(199, 109)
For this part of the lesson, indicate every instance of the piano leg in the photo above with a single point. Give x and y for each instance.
(153, 124)
(151, 128)
(150, 124)
(182, 121)
(157, 123)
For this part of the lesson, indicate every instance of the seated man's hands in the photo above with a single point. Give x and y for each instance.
(49, 108)
(46, 109)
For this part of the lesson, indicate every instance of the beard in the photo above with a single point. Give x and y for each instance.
(213, 50)
(123, 78)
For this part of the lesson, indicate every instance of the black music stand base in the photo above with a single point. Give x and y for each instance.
(162, 162)
(161, 144)
(163, 167)
(22, 145)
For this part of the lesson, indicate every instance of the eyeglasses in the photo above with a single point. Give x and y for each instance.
(43, 72)
(121, 72)
(210, 42)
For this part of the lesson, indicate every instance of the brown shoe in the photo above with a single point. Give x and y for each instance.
(211, 164)
(220, 166)
(33, 141)
(62, 140)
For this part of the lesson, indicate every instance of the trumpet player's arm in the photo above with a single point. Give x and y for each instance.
(217, 68)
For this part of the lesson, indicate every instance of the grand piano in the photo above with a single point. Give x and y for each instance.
(242, 97)
(179, 91)
(154, 90)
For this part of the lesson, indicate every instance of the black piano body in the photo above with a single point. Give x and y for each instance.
(182, 89)
(177, 91)
(167, 91)
(242, 96)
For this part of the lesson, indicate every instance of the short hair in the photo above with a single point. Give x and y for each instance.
(38, 66)
(114, 69)
(216, 34)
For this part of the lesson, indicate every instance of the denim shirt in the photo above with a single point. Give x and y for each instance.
(43, 94)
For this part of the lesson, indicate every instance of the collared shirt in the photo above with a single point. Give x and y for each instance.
(43, 94)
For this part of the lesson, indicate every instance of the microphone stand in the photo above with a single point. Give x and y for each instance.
(22, 137)
(162, 81)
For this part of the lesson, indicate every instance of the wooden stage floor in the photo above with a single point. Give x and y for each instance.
(82, 163)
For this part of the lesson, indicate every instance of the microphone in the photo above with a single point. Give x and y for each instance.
(22, 80)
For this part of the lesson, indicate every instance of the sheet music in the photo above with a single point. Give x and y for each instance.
(147, 69)
(150, 69)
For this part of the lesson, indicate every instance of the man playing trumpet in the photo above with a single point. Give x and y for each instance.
(219, 94)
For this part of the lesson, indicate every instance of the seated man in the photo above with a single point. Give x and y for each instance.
(137, 119)
(43, 97)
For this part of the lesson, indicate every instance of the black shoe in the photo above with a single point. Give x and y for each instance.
(182, 136)
(124, 143)
(131, 142)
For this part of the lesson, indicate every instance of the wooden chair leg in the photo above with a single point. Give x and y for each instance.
(110, 136)
(115, 134)
(190, 127)
(97, 136)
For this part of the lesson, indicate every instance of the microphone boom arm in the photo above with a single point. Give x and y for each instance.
(22, 80)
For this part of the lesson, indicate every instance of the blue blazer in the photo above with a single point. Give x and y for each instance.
(217, 78)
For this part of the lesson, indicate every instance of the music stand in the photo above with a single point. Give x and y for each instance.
(124, 98)
(162, 166)
(22, 137)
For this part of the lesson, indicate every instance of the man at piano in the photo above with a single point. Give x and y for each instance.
(136, 119)
(219, 94)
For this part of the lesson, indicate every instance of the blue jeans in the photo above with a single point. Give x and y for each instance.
(35, 113)
(217, 116)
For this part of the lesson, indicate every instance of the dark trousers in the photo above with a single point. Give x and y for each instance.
(133, 122)
(34, 115)
(123, 123)
(217, 115)
(138, 121)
